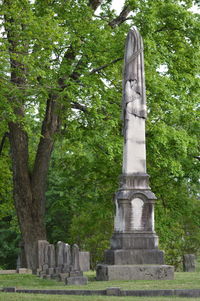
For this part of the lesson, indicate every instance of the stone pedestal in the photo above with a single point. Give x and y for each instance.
(134, 252)
(134, 256)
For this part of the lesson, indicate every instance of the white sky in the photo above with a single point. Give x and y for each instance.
(117, 5)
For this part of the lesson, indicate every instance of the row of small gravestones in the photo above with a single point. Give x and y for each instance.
(60, 262)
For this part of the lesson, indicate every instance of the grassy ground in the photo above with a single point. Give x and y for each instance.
(31, 297)
(181, 281)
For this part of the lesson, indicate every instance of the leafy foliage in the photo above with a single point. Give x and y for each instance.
(66, 50)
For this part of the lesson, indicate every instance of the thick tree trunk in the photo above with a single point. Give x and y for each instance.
(28, 208)
(30, 187)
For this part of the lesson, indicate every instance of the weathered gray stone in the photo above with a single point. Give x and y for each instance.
(66, 268)
(45, 268)
(22, 256)
(66, 258)
(75, 258)
(189, 263)
(50, 271)
(41, 252)
(58, 270)
(139, 240)
(6, 272)
(134, 256)
(76, 280)
(84, 261)
(24, 271)
(38, 271)
(76, 273)
(134, 272)
(61, 263)
(63, 276)
(60, 253)
(194, 293)
(113, 291)
(18, 262)
(66, 254)
(46, 254)
(51, 256)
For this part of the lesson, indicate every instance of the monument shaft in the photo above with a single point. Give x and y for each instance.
(134, 106)
(134, 213)
(134, 244)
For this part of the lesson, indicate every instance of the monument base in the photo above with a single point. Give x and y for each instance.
(134, 257)
(106, 272)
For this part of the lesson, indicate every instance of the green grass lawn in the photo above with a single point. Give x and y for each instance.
(182, 281)
(32, 297)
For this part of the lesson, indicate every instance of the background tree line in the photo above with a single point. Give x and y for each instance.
(60, 125)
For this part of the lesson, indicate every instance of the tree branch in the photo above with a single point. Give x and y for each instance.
(164, 28)
(105, 66)
(121, 18)
(6, 134)
(78, 106)
(50, 125)
(69, 56)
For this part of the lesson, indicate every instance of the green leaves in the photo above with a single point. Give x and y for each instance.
(63, 49)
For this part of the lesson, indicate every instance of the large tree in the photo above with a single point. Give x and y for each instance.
(61, 71)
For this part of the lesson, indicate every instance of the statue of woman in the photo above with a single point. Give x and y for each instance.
(134, 105)
(134, 97)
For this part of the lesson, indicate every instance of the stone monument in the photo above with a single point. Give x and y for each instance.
(134, 252)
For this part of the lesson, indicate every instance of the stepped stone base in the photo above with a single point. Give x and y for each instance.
(106, 272)
(141, 240)
(78, 280)
(140, 256)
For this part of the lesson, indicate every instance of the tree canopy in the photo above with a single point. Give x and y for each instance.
(61, 89)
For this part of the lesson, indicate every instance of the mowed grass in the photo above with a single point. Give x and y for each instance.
(181, 281)
(32, 297)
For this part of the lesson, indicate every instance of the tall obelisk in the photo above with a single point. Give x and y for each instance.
(134, 252)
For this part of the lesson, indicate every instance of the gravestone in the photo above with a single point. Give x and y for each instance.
(84, 261)
(61, 264)
(21, 260)
(75, 258)
(41, 252)
(66, 259)
(189, 263)
(134, 252)
(60, 253)
(51, 256)
(76, 275)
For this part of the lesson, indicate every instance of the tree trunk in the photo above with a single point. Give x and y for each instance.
(28, 208)
(30, 187)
